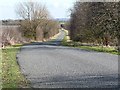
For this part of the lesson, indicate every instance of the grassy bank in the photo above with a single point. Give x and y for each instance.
(11, 75)
(86, 47)
(65, 39)
(100, 49)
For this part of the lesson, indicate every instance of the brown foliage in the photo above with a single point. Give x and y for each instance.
(11, 35)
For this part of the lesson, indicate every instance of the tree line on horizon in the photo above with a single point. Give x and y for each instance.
(95, 22)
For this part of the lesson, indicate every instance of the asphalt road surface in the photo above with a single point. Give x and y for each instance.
(49, 65)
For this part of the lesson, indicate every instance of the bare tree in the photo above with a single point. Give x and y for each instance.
(32, 11)
(36, 20)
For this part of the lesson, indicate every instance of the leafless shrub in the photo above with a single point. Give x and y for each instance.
(11, 35)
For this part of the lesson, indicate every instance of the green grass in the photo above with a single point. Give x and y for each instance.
(64, 41)
(11, 75)
(0, 68)
(100, 49)
(92, 48)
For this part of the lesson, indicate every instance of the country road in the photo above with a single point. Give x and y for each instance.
(49, 65)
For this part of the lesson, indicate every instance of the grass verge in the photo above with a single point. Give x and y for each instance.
(64, 41)
(11, 75)
(100, 49)
(90, 48)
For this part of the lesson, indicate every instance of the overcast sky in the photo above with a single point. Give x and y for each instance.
(57, 8)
